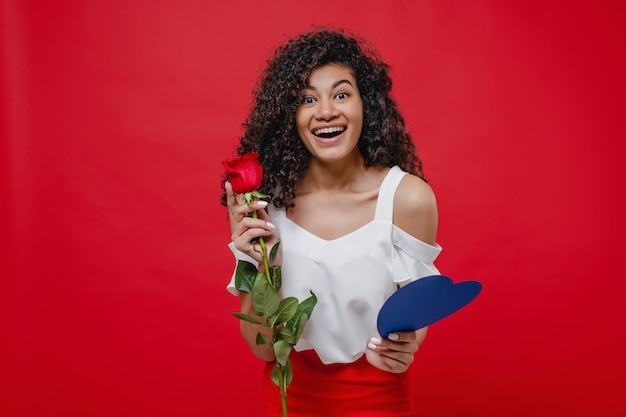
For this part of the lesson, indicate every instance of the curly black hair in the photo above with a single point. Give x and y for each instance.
(270, 128)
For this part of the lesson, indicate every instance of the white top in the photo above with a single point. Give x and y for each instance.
(351, 276)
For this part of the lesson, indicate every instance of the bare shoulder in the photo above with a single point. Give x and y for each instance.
(415, 209)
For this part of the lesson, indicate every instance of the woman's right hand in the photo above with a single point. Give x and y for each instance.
(247, 230)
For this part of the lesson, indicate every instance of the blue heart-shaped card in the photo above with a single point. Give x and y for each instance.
(423, 302)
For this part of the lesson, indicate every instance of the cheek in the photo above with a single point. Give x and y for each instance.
(357, 111)
(301, 121)
(357, 116)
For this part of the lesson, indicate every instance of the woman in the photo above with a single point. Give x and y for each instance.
(354, 216)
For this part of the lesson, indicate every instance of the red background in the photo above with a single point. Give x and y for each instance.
(116, 115)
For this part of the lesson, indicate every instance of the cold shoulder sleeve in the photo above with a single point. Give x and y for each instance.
(411, 258)
(239, 256)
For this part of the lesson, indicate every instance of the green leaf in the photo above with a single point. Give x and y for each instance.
(263, 339)
(288, 373)
(246, 317)
(282, 350)
(308, 304)
(294, 323)
(273, 253)
(285, 333)
(249, 196)
(302, 324)
(274, 375)
(277, 277)
(265, 299)
(258, 194)
(245, 274)
(305, 309)
(286, 309)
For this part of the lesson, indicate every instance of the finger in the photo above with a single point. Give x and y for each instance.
(264, 216)
(394, 336)
(259, 206)
(245, 239)
(399, 355)
(251, 247)
(392, 342)
(397, 364)
(392, 349)
(402, 337)
(402, 356)
(260, 226)
(248, 230)
(231, 197)
(237, 205)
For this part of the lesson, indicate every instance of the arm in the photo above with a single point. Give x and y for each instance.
(415, 209)
(415, 212)
(250, 330)
(245, 230)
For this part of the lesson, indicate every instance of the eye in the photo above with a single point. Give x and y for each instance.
(342, 95)
(307, 100)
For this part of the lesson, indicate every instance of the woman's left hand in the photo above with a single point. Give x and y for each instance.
(396, 353)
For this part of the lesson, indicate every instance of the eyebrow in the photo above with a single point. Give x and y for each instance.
(335, 84)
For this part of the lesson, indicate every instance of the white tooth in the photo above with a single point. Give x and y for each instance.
(329, 130)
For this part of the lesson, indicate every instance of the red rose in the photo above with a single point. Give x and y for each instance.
(244, 172)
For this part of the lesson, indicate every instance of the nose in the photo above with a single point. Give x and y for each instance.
(326, 110)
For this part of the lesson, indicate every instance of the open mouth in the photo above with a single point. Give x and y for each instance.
(329, 132)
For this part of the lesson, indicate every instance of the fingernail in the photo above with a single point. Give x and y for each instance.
(261, 203)
(371, 346)
(375, 341)
(393, 336)
(271, 225)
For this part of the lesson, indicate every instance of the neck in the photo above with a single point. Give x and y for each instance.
(333, 176)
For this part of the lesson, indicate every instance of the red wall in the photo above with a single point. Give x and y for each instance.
(115, 117)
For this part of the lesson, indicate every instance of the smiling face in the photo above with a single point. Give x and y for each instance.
(330, 115)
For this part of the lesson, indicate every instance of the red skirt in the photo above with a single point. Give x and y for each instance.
(338, 390)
